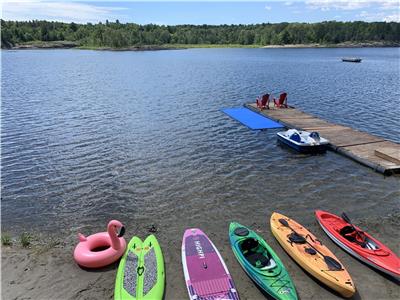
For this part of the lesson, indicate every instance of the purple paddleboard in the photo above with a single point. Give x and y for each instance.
(206, 275)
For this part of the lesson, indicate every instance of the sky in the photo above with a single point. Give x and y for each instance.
(202, 12)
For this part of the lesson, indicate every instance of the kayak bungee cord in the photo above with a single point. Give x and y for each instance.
(332, 263)
(284, 285)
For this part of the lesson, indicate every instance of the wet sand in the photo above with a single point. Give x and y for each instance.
(47, 270)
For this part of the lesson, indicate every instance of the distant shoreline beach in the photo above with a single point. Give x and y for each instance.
(340, 45)
(75, 45)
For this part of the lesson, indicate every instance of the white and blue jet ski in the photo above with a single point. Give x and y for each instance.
(303, 141)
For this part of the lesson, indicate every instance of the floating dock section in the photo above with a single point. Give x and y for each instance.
(251, 119)
(375, 152)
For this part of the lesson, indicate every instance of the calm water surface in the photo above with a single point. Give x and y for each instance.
(139, 136)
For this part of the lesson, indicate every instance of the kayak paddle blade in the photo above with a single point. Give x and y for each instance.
(345, 217)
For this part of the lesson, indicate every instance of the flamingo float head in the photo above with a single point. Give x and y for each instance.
(112, 228)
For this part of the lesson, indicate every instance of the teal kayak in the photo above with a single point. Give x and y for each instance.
(261, 263)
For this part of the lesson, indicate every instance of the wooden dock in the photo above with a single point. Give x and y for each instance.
(375, 152)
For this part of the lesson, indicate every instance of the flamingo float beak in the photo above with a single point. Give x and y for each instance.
(121, 231)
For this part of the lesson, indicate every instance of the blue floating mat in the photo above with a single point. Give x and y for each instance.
(251, 119)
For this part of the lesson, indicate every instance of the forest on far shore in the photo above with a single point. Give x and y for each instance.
(118, 35)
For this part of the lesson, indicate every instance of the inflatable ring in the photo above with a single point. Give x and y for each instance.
(101, 249)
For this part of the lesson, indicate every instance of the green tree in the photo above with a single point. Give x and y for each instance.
(130, 34)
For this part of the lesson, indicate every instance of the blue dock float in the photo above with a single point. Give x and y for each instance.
(251, 119)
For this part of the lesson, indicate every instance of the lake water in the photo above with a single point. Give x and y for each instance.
(89, 135)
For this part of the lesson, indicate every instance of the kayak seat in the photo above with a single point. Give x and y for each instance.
(351, 235)
(249, 244)
(346, 230)
(258, 260)
(255, 254)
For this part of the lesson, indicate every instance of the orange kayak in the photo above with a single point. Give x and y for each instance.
(311, 254)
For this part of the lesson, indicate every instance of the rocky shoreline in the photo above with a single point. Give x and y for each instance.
(45, 45)
(75, 45)
(340, 45)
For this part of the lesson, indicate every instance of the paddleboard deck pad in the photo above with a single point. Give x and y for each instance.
(206, 275)
(141, 271)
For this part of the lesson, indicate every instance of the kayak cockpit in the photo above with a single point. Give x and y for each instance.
(256, 254)
(358, 237)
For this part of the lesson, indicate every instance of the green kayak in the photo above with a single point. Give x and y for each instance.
(261, 263)
(141, 271)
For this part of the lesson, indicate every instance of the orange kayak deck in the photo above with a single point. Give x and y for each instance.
(314, 263)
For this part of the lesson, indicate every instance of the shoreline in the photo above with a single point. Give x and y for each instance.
(47, 269)
(74, 45)
(340, 45)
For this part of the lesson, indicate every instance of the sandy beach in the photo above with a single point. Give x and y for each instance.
(48, 271)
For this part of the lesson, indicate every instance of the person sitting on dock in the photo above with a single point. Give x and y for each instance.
(282, 101)
(263, 102)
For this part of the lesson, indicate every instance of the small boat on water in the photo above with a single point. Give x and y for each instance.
(303, 141)
(351, 59)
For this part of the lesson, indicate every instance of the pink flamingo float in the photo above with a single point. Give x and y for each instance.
(101, 249)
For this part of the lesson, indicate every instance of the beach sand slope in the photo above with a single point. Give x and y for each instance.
(45, 272)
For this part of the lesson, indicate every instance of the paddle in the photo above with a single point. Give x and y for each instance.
(332, 263)
(358, 232)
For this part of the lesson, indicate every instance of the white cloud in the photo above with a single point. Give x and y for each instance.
(378, 16)
(59, 11)
(392, 18)
(268, 7)
(351, 4)
(288, 3)
(390, 5)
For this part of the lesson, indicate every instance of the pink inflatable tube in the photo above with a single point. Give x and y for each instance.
(111, 245)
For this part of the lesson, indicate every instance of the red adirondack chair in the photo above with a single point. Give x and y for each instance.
(282, 101)
(263, 102)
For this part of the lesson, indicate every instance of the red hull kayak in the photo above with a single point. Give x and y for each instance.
(362, 246)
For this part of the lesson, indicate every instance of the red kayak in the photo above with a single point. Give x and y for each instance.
(359, 243)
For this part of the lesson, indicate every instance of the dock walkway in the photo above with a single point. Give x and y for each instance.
(375, 152)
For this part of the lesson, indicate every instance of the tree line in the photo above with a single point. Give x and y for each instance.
(117, 35)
